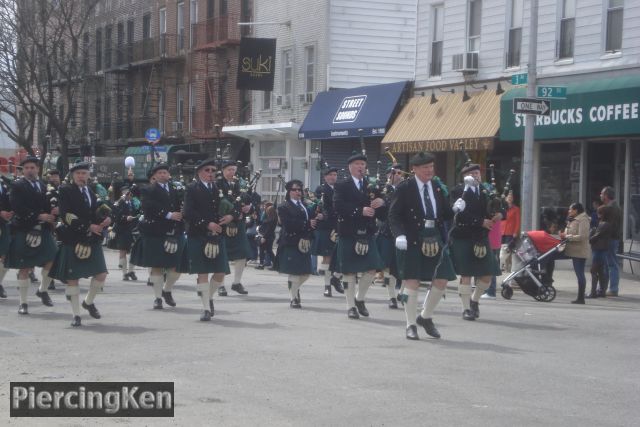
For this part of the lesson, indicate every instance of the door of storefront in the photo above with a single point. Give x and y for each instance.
(601, 157)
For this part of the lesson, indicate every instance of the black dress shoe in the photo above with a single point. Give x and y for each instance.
(239, 288)
(149, 283)
(428, 326)
(222, 292)
(591, 296)
(76, 321)
(295, 303)
(157, 304)
(45, 298)
(362, 309)
(475, 308)
(393, 303)
(168, 298)
(353, 313)
(3, 293)
(337, 285)
(132, 275)
(206, 316)
(23, 309)
(211, 308)
(578, 301)
(468, 315)
(412, 333)
(91, 308)
(126, 277)
(327, 291)
(52, 286)
(259, 267)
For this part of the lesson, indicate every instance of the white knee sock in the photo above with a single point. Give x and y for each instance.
(391, 287)
(294, 285)
(411, 305)
(431, 301)
(123, 264)
(326, 274)
(238, 268)
(3, 271)
(213, 288)
(73, 295)
(350, 291)
(465, 293)
(44, 283)
(204, 290)
(172, 278)
(23, 287)
(157, 285)
(94, 287)
(479, 290)
(363, 285)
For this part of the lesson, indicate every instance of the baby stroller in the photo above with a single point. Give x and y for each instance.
(530, 253)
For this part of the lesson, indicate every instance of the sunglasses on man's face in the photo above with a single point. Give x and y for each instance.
(296, 189)
(209, 170)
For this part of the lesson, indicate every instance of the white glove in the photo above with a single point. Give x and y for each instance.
(401, 242)
(469, 182)
(458, 206)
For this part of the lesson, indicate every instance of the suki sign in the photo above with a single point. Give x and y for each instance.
(349, 109)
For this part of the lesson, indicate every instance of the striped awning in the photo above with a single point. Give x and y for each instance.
(445, 124)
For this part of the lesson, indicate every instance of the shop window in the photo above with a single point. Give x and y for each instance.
(559, 181)
(633, 220)
(614, 25)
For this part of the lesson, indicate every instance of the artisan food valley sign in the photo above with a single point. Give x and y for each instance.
(600, 113)
(469, 144)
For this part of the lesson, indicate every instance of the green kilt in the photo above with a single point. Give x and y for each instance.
(238, 246)
(348, 261)
(322, 244)
(20, 255)
(5, 239)
(122, 241)
(194, 260)
(414, 265)
(67, 266)
(386, 250)
(467, 264)
(289, 260)
(148, 251)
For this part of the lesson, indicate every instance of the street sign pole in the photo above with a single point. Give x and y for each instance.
(528, 203)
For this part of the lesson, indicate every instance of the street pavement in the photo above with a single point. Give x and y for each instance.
(260, 363)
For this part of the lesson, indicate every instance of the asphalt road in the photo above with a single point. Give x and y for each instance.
(523, 363)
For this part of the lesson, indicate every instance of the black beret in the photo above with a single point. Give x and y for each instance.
(356, 156)
(206, 162)
(227, 163)
(80, 166)
(470, 167)
(330, 170)
(53, 172)
(157, 167)
(30, 159)
(422, 158)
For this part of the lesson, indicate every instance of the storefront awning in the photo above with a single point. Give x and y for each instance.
(594, 108)
(264, 131)
(443, 125)
(350, 113)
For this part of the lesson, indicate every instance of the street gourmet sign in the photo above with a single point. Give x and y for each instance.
(256, 67)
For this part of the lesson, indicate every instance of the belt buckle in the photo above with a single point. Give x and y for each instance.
(429, 223)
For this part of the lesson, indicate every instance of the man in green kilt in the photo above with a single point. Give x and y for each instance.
(126, 211)
(419, 209)
(472, 255)
(32, 243)
(6, 213)
(325, 234)
(162, 238)
(356, 252)
(205, 212)
(294, 247)
(238, 249)
(80, 255)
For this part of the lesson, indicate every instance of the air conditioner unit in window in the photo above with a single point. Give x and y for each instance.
(279, 100)
(467, 63)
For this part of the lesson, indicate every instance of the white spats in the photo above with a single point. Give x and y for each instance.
(73, 295)
(431, 301)
(294, 285)
(23, 287)
(157, 282)
(204, 290)
(465, 293)
(411, 305)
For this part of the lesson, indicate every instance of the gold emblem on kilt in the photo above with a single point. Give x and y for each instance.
(479, 250)
(82, 251)
(171, 245)
(430, 247)
(34, 237)
(211, 248)
(304, 245)
(232, 230)
(333, 236)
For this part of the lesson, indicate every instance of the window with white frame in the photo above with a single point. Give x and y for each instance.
(162, 26)
(615, 10)
(515, 34)
(287, 78)
(272, 162)
(266, 100)
(180, 25)
(437, 37)
(475, 22)
(310, 66)
(193, 18)
(567, 29)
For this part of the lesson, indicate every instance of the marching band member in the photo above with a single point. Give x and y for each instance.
(293, 256)
(126, 212)
(6, 213)
(80, 255)
(33, 243)
(356, 250)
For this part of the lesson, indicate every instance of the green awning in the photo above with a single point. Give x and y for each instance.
(595, 108)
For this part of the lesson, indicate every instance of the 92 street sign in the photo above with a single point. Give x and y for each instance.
(538, 107)
(551, 92)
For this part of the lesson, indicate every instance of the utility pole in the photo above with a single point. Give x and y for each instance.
(527, 204)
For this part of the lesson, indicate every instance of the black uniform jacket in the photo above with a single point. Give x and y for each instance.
(382, 214)
(28, 203)
(406, 214)
(123, 209)
(77, 216)
(156, 204)
(324, 192)
(5, 203)
(348, 202)
(469, 222)
(295, 225)
(231, 192)
(201, 206)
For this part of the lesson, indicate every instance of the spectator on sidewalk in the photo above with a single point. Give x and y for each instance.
(600, 243)
(577, 248)
(608, 196)
(595, 204)
(510, 231)
(266, 236)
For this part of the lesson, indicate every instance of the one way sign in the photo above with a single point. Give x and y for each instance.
(539, 107)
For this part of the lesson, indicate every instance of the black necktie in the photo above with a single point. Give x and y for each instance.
(427, 203)
(36, 186)
(209, 187)
(360, 185)
(87, 199)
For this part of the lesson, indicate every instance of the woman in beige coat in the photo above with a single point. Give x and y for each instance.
(577, 235)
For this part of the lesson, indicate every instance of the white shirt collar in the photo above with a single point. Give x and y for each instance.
(357, 181)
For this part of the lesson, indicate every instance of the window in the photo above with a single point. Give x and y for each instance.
(120, 44)
(193, 18)
(180, 25)
(614, 25)
(309, 82)
(567, 29)
(119, 113)
(130, 36)
(515, 34)
(437, 35)
(179, 105)
(98, 114)
(223, 7)
(162, 27)
(161, 110)
(192, 105)
(272, 162)
(287, 78)
(106, 129)
(475, 21)
(210, 9)
(108, 46)
(98, 49)
(266, 100)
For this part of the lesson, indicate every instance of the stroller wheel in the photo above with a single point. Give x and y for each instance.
(550, 294)
(507, 292)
